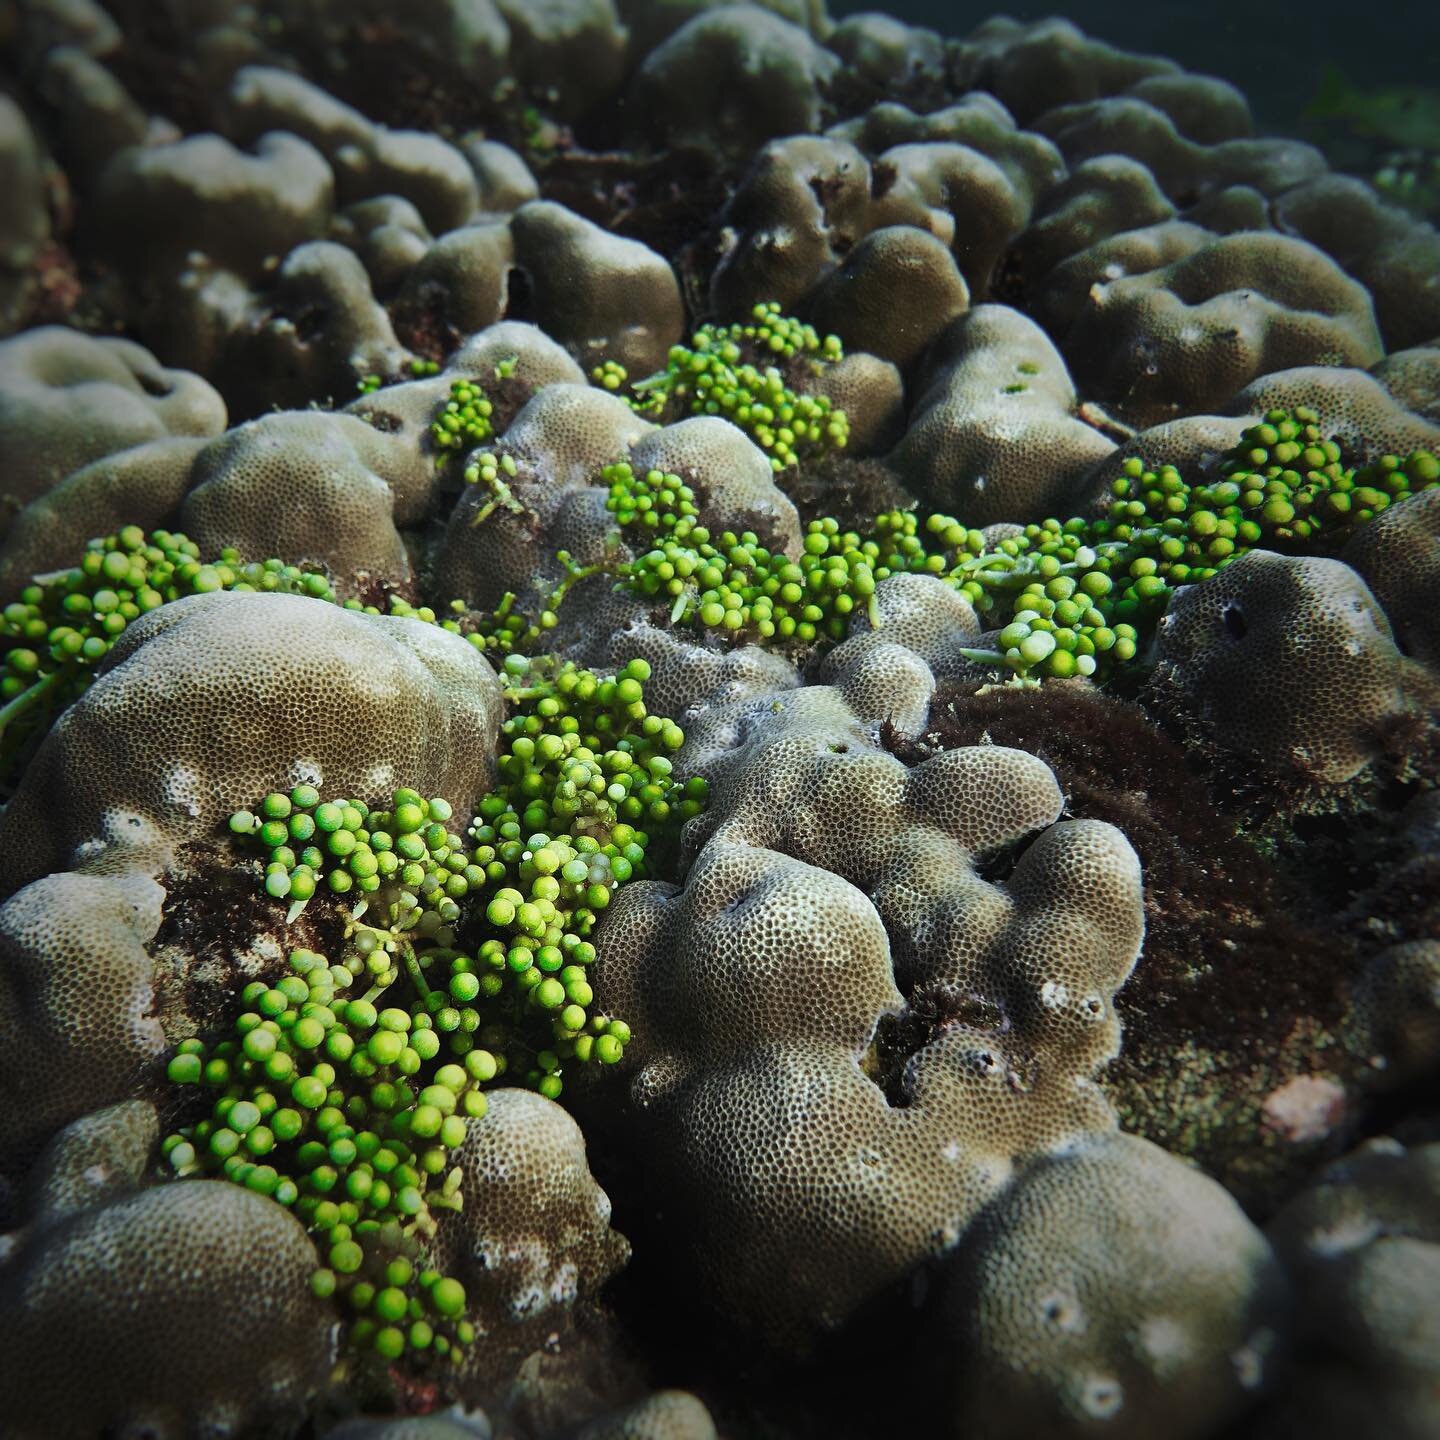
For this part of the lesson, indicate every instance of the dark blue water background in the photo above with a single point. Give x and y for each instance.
(1276, 54)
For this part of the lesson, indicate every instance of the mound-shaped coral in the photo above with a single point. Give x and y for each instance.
(993, 434)
(212, 700)
(1187, 168)
(1111, 1286)
(542, 491)
(131, 1275)
(784, 1134)
(1413, 377)
(313, 335)
(1395, 1023)
(817, 217)
(734, 76)
(1291, 660)
(449, 1425)
(26, 227)
(367, 159)
(325, 489)
(666, 1415)
(155, 204)
(608, 297)
(507, 528)
(77, 1000)
(1032, 67)
(1363, 1248)
(1186, 334)
(734, 1053)
(67, 399)
(142, 485)
(895, 289)
(1393, 255)
(1399, 557)
(535, 1235)
(516, 304)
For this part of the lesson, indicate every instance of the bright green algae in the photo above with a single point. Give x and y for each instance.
(343, 1090)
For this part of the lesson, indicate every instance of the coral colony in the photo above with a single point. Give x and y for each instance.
(713, 722)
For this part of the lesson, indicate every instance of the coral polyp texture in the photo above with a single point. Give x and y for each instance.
(714, 721)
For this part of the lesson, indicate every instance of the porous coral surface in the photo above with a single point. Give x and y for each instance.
(714, 721)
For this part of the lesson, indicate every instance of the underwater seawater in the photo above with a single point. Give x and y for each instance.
(719, 720)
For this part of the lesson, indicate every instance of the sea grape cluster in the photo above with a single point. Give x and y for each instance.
(1286, 479)
(346, 846)
(493, 472)
(584, 784)
(64, 624)
(1063, 598)
(344, 1087)
(753, 375)
(462, 421)
(585, 757)
(1080, 594)
(418, 370)
(610, 375)
(733, 583)
(336, 1108)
